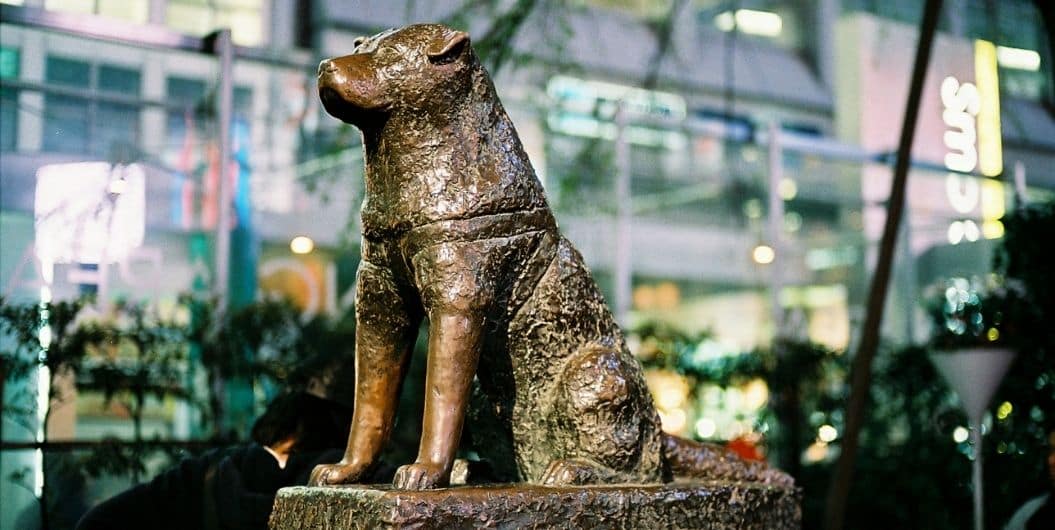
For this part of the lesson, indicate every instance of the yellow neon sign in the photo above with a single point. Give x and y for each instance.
(990, 150)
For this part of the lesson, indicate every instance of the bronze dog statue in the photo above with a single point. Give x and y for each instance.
(456, 229)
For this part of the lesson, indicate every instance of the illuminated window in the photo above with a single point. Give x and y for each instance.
(86, 125)
(130, 10)
(751, 22)
(200, 17)
(643, 9)
(8, 100)
(1016, 27)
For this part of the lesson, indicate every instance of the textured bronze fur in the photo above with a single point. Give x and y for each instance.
(456, 229)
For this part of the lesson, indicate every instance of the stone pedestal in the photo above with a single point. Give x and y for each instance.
(711, 505)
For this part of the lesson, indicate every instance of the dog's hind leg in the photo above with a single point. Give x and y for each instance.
(689, 459)
(610, 432)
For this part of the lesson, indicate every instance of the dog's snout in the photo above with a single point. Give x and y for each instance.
(327, 67)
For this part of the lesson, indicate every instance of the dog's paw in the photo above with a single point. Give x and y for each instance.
(421, 477)
(570, 473)
(339, 473)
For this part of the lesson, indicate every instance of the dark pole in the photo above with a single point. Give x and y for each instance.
(1047, 14)
(3, 381)
(861, 375)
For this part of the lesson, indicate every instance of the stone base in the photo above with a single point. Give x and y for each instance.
(711, 505)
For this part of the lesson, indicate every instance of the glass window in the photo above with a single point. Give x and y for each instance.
(643, 9)
(114, 79)
(130, 10)
(1014, 24)
(82, 125)
(769, 21)
(71, 6)
(184, 91)
(117, 124)
(9, 63)
(189, 18)
(246, 25)
(68, 72)
(188, 94)
(9, 66)
(1020, 29)
(199, 17)
(243, 103)
(66, 117)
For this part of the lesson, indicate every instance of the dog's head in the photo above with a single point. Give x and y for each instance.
(417, 68)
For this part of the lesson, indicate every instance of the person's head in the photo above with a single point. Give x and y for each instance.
(309, 422)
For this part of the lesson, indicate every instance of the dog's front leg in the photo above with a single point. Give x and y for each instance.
(386, 326)
(456, 290)
(454, 351)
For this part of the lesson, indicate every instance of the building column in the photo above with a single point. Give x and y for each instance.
(156, 12)
(31, 120)
(825, 17)
(152, 119)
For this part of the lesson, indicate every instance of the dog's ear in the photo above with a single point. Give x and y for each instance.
(448, 48)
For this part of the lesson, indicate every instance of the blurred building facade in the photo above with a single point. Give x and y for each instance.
(711, 232)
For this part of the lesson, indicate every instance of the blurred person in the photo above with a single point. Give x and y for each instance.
(1038, 513)
(234, 488)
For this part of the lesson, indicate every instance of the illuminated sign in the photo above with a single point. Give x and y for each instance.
(990, 150)
(971, 113)
(961, 104)
(89, 212)
(1018, 58)
(751, 21)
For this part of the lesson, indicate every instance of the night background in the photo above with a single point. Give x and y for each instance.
(733, 212)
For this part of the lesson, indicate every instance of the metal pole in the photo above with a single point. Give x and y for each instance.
(861, 370)
(624, 211)
(976, 472)
(224, 49)
(775, 228)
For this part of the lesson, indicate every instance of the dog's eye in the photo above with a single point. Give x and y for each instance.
(358, 42)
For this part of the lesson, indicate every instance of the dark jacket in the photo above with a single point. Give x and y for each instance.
(222, 489)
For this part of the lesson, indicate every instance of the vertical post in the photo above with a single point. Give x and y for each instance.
(825, 16)
(1020, 184)
(623, 264)
(156, 12)
(861, 369)
(224, 49)
(908, 281)
(976, 472)
(775, 227)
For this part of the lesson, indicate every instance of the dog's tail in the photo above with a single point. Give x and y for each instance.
(689, 459)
